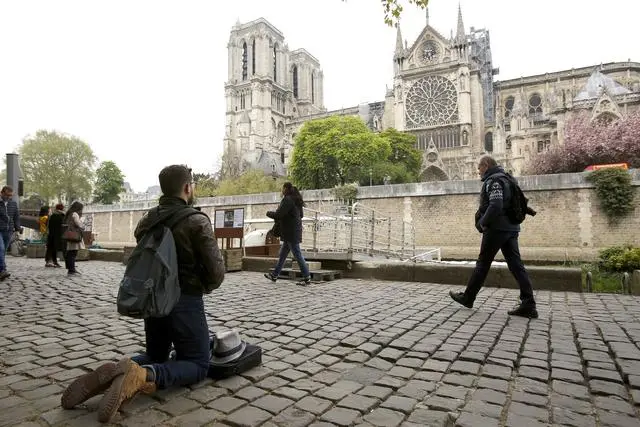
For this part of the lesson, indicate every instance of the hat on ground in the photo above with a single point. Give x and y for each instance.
(228, 348)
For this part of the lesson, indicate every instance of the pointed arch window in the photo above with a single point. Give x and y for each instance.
(253, 57)
(244, 61)
(295, 81)
(275, 62)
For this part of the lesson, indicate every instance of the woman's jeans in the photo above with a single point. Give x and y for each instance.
(297, 254)
(70, 261)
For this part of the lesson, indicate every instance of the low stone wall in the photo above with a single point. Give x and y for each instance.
(570, 225)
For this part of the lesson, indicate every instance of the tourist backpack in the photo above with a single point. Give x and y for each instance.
(519, 204)
(150, 286)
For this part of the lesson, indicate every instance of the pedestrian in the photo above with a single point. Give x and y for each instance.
(73, 236)
(54, 236)
(9, 224)
(289, 215)
(498, 233)
(200, 270)
(43, 219)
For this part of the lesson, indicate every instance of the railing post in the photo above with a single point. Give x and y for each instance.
(402, 247)
(373, 221)
(413, 239)
(353, 209)
(389, 239)
(335, 232)
(626, 283)
(315, 232)
(589, 282)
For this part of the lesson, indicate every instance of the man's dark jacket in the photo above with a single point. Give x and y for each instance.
(9, 216)
(200, 265)
(495, 198)
(56, 219)
(290, 217)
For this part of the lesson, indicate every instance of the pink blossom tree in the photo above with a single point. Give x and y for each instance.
(588, 142)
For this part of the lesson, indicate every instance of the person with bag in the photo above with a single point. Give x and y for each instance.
(9, 223)
(73, 236)
(500, 228)
(289, 218)
(54, 236)
(200, 270)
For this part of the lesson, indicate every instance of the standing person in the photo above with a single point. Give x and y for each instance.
(498, 233)
(289, 214)
(43, 219)
(9, 223)
(54, 236)
(74, 224)
(200, 270)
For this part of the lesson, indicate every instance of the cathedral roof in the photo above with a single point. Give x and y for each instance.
(265, 161)
(599, 83)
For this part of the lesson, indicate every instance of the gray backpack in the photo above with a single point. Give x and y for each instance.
(150, 286)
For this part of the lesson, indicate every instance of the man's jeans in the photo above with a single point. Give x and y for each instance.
(185, 327)
(507, 242)
(297, 254)
(5, 239)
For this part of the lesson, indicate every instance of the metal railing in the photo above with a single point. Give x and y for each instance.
(358, 232)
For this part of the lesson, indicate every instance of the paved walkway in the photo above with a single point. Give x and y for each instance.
(347, 352)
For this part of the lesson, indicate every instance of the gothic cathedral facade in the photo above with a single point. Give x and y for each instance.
(443, 92)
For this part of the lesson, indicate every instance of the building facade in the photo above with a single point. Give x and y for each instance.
(444, 91)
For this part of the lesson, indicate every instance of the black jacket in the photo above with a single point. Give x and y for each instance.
(495, 198)
(55, 228)
(200, 265)
(290, 218)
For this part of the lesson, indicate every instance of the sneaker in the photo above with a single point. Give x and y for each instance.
(130, 382)
(271, 277)
(57, 265)
(304, 282)
(461, 298)
(48, 265)
(4, 275)
(528, 311)
(89, 385)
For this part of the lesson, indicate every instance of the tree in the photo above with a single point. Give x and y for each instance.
(335, 151)
(250, 182)
(109, 183)
(55, 164)
(404, 161)
(588, 142)
(393, 10)
(205, 184)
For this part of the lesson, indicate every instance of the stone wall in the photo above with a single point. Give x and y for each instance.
(569, 225)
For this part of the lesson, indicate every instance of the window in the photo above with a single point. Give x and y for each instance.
(253, 58)
(508, 143)
(431, 101)
(244, 61)
(295, 82)
(543, 145)
(488, 142)
(275, 63)
(535, 105)
(508, 109)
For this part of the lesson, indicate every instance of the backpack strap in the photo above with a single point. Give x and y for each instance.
(182, 214)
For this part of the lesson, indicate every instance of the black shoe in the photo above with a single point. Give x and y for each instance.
(73, 273)
(528, 311)
(271, 277)
(4, 275)
(304, 282)
(461, 298)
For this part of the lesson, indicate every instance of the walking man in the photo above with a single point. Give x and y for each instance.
(9, 223)
(498, 233)
(200, 270)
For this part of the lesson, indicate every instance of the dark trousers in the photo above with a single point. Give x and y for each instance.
(507, 242)
(70, 261)
(297, 254)
(185, 327)
(5, 239)
(52, 250)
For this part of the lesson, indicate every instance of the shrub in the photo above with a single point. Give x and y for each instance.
(614, 190)
(619, 259)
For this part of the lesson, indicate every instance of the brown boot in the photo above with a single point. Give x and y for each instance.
(132, 381)
(89, 385)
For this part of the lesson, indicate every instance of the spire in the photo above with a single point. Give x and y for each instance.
(426, 11)
(460, 34)
(399, 52)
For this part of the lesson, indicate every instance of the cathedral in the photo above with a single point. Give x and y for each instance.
(444, 92)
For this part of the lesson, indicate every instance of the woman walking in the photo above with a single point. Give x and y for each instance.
(54, 237)
(73, 236)
(289, 216)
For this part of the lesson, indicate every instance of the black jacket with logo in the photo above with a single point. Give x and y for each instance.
(495, 198)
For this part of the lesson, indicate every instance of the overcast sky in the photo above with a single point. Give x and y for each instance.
(142, 81)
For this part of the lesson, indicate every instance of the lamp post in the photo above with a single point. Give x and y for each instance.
(370, 177)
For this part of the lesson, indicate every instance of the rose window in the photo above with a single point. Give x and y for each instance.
(432, 101)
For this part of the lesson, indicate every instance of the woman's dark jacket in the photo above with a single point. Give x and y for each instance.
(289, 215)
(56, 219)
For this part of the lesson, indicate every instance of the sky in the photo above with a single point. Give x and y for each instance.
(142, 81)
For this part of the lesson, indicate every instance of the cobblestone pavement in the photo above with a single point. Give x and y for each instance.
(348, 352)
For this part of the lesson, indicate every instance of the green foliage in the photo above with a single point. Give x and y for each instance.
(336, 150)
(614, 190)
(109, 183)
(601, 280)
(619, 259)
(346, 192)
(250, 182)
(55, 164)
(393, 9)
(404, 161)
(205, 185)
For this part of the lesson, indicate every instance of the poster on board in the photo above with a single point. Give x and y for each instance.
(229, 218)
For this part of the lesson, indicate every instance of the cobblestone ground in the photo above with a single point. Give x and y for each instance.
(348, 352)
